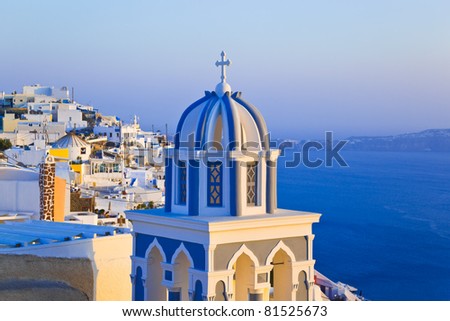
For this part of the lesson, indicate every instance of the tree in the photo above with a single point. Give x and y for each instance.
(5, 144)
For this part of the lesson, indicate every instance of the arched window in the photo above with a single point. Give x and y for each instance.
(138, 287)
(252, 174)
(182, 183)
(214, 184)
(198, 293)
(302, 291)
(221, 294)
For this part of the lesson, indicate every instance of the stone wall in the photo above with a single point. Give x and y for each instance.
(29, 277)
(78, 204)
(47, 189)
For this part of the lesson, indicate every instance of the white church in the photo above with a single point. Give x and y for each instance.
(221, 236)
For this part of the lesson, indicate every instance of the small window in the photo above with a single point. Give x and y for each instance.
(214, 184)
(251, 183)
(83, 150)
(182, 179)
(168, 275)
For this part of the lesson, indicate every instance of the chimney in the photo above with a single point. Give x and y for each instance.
(47, 188)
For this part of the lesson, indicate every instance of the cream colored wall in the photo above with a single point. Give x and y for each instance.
(10, 123)
(112, 268)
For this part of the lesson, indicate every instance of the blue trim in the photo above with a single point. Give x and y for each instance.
(234, 208)
(168, 185)
(193, 187)
(182, 183)
(201, 125)
(256, 114)
(138, 286)
(169, 247)
(185, 114)
(230, 121)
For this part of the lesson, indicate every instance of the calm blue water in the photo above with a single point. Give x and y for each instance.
(385, 227)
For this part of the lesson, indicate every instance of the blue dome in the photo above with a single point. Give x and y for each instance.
(225, 120)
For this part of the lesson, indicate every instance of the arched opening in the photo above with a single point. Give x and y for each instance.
(302, 291)
(181, 275)
(155, 291)
(182, 183)
(243, 277)
(220, 292)
(138, 286)
(198, 292)
(281, 277)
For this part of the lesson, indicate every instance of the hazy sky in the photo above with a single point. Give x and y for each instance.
(354, 67)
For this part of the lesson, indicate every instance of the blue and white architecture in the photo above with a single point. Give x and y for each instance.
(221, 235)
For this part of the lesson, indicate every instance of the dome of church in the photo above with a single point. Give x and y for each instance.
(222, 119)
(70, 140)
(78, 148)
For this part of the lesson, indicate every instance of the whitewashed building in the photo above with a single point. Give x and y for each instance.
(39, 90)
(70, 116)
(20, 194)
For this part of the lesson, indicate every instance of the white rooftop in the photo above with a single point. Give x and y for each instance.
(35, 233)
(8, 173)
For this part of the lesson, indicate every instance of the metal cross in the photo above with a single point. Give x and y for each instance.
(222, 64)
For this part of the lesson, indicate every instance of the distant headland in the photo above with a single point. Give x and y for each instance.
(430, 140)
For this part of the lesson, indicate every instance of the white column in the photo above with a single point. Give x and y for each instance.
(209, 257)
(310, 239)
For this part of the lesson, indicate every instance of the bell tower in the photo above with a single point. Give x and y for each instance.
(222, 163)
(221, 235)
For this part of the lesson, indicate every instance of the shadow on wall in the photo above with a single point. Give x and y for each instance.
(33, 278)
(39, 290)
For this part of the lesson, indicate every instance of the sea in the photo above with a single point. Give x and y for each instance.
(385, 224)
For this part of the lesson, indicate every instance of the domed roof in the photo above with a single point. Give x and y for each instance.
(222, 119)
(70, 140)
